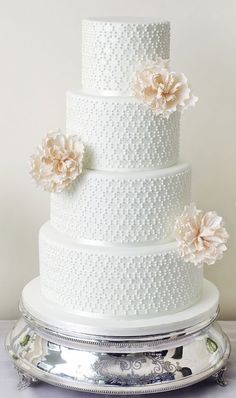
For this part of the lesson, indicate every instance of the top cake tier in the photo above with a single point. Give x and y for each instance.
(113, 49)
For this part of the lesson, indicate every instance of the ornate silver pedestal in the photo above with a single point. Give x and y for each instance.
(117, 365)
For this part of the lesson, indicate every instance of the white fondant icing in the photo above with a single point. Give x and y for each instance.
(116, 282)
(130, 204)
(125, 208)
(59, 317)
(112, 50)
(122, 133)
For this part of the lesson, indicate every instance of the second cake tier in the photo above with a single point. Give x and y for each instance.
(121, 133)
(122, 208)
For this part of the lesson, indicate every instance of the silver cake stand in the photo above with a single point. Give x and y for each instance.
(117, 365)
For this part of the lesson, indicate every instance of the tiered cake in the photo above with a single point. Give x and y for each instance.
(108, 251)
(121, 306)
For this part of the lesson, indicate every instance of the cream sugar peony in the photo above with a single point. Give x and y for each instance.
(163, 90)
(201, 236)
(57, 162)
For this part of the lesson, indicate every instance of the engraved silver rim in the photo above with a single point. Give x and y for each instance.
(123, 357)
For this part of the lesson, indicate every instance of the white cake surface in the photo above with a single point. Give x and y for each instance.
(120, 133)
(113, 49)
(135, 207)
(116, 281)
(54, 315)
(108, 262)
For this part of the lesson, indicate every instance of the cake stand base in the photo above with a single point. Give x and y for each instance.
(113, 365)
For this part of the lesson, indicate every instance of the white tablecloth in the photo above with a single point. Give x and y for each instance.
(207, 388)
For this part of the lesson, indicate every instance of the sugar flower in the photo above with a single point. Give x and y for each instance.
(201, 236)
(165, 91)
(57, 162)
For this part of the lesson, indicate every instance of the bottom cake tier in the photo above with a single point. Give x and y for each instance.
(50, 316)
(113, 282)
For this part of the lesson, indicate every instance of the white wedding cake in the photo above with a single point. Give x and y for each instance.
(124, 242)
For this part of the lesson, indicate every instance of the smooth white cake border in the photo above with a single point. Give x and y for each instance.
(142, 174)
(55, 316)
(127, 20)
(132, 249)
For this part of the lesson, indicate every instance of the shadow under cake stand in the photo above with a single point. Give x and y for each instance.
(162, 354)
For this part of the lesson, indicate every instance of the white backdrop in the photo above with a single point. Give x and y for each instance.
(40, 43)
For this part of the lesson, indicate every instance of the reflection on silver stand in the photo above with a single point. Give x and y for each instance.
(117, 365)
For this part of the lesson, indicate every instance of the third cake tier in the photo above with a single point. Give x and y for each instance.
(122, 208)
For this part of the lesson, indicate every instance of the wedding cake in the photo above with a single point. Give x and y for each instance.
(125, 245)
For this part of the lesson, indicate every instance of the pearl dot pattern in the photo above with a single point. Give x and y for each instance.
(112, 51)
(99, 282)
(123, 204)
(120, 208)
(121, 133)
